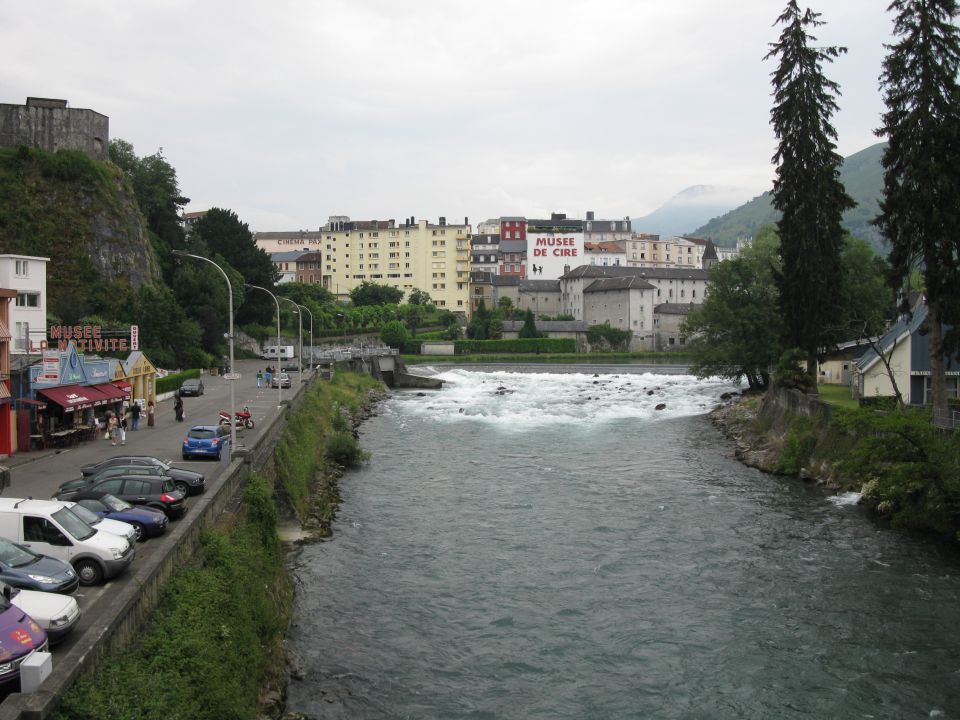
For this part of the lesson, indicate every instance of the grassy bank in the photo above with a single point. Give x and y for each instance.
(907, 470)
(216, 638)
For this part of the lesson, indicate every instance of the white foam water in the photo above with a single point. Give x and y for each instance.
(843, 499)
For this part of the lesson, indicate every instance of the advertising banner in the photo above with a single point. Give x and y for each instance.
(549, 253)
(51, 366)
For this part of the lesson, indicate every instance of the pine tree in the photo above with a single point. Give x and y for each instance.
(920, 209)
(807, 190)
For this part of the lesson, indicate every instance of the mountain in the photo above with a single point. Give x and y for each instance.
(690, 208)
(861, 174)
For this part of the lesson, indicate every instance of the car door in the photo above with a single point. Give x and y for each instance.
(45, 538)
(136, 491)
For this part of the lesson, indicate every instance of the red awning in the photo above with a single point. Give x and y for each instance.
(31, 401)
(73, 397)
(123, 385)
(109, 392)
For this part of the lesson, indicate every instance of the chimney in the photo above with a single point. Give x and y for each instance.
(466, 220)
(443, 221)
(589, 214)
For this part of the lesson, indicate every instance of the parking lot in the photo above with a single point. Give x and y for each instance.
(39, 474)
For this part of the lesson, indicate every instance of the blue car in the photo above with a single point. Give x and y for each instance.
(146, 521)
(206, 441)
(23, 568)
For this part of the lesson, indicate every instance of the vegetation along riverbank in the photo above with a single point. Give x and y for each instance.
(213, 649)
(907, 470)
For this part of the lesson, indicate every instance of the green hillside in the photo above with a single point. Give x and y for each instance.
(861, 174)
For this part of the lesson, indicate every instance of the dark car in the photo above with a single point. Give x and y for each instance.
(206, 441)
(191, 482)
(146, 521)
(192, 386)
(148, 490)
(290, 366)
(23, 568)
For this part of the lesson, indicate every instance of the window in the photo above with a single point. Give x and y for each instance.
(22, 268)
(38, 529)
(28, 299)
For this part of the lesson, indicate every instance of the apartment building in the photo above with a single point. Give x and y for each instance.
(604, 253)
(598, 231)
(27, 275)
(433, 257)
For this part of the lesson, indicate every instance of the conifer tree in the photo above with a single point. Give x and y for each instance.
(807, 190)
(920, 208)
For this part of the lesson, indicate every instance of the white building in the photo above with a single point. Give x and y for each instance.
(28, 313)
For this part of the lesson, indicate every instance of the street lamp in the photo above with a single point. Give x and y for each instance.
(300, 320)
(311, 334)
(279, 384)
(343, 321)
(233, 401)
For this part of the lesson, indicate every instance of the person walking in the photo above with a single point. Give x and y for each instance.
(123, 429)
(135, 416)
(259, 377)
(178, 407)
(113, 428)
(150, 411)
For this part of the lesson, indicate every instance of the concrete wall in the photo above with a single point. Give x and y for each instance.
(52, 126)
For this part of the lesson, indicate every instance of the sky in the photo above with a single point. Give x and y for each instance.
(289, 111)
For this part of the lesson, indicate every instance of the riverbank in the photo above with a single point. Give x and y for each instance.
(907, 471)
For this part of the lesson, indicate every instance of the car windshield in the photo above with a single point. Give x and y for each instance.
(73, 524)
(15, 556)
(200, 434)
(85, 514)
(115, 503)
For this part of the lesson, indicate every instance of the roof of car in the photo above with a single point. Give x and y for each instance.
(30, 505)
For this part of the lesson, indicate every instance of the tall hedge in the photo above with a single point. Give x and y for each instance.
(173, 382)
(521, 345)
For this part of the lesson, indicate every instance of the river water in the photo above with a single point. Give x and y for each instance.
(549, 545)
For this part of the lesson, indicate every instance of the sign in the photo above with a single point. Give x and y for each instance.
(86, 337)
(134, 337)
(51, 366)
(549, 253)
(231, 376)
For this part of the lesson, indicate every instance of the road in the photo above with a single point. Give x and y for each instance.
(39, 474)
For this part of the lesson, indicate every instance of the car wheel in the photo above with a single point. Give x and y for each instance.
(139, 531)
(218, 456)
(184, 487)
(89, 572)
(186, 457)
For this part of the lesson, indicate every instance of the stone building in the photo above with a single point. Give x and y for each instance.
(51, 125)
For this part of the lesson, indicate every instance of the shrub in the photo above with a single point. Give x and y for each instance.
(604, 334)
(394, 334)
(343, 449)
(174, 381)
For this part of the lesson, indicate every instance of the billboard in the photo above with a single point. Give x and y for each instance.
(548, 253)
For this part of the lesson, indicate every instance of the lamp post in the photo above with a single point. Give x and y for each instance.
(304, 307)
(233, 401)
(279, 384)
(296, 309)
(343, 321)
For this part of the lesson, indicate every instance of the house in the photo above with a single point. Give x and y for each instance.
(286, 265)
(907, 348)
(668, 319)
(27, 275)
(575, 329)
(604, 253)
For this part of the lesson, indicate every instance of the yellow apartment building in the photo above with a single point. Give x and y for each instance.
(431, 257)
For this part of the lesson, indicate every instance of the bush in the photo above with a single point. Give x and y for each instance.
(394, 334)
(610, 336)
(174, 381)
(343, 449)
(791, 371)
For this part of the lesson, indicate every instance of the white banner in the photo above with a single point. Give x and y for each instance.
(549, 253)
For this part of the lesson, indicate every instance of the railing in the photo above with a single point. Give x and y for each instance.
(348, 352)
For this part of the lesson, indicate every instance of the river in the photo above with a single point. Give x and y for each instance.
(550, 545)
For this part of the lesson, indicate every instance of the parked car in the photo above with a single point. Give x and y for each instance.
(20, 637)
(157, 492)
(23, 568)
(51, 529)
(117, 527)
(206, 441)
(147, 522)
(193, 386)
(56, 614)
(290, 366)
(280, 380)
(190, 481)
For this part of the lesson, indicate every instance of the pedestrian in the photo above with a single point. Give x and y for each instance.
(123, 430)
(178, 407)
(267, 373)
(150, 410)
(135, 416)
(113, 429)
(259, 378)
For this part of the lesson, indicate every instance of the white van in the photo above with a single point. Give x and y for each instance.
(285, 353)
(48, 528)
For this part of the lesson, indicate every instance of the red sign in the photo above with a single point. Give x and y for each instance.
(134, 337)
(86, 337)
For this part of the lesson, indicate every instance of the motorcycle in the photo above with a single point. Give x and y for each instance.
(242, 418)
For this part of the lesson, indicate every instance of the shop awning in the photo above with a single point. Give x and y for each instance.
(123, 385)
(73, 397)
(31, 401)
(109, 392)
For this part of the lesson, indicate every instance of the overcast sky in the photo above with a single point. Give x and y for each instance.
(287, 112)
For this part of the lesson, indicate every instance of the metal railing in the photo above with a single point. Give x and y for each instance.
(949, 419)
